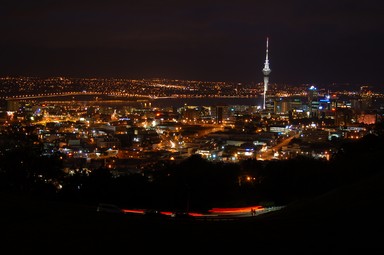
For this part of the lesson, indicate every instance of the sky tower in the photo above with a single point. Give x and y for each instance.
(266, 72)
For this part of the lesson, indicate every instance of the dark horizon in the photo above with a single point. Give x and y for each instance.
(316, 42)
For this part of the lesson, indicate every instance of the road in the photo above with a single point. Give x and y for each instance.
(215, 214)
(269, 153)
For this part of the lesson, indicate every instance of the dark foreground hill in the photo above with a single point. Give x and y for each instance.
(344, 221)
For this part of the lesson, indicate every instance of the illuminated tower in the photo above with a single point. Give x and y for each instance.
(266, 72)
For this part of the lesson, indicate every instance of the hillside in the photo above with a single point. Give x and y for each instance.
(343, 221)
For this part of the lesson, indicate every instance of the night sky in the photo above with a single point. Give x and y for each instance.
(310, 41)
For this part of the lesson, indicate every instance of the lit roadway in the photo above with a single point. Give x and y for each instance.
(269, 153)
(217, 213)
(63, 94)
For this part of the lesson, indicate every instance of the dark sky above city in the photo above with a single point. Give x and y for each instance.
(309, 41)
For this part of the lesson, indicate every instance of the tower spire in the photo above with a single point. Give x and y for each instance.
(266, 69)
(266, 72)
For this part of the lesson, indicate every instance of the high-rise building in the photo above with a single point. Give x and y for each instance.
(313, 101)
(266, 72)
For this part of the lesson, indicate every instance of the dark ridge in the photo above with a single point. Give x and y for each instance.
(348, 219)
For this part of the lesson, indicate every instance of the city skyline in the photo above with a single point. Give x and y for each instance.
(312, 43)
(157, 110)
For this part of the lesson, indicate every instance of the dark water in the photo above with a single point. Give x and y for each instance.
(179, 102)
(160, 102)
